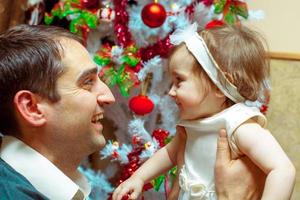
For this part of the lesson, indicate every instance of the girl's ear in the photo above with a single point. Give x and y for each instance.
(217, 90)
(29, 107)
(218, 93)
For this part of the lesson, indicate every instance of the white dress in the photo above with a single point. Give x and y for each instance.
(196, 178)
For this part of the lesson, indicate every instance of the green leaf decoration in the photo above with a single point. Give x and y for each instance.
(101, 61)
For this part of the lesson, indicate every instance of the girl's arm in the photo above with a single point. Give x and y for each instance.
(159, 163)
(262, 148)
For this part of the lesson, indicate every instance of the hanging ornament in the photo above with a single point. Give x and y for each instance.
(154, 15)
(141, 105)
(106, 14)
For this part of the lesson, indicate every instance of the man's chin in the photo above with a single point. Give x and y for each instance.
(101, 142)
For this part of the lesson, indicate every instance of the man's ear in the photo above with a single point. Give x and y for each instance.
(29, 107)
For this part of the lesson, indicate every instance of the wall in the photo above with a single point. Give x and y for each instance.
(281, 24)
(284, 111)
(281, 29)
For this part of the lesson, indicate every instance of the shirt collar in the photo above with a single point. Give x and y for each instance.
(39, 171)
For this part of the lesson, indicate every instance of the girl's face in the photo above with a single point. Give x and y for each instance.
(192, 92)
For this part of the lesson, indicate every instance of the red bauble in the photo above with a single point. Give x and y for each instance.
(154, 15)
(141, 105)
(90, 4)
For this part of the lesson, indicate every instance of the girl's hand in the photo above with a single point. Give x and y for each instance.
(132, 186)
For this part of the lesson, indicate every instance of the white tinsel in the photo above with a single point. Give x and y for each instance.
(154, 66)
(101, 187)
(122, 152)
(180, 21)
(256, 15)
(203, 14)
(136, 127)
(155, 98)
(169, 114)
(147, 153)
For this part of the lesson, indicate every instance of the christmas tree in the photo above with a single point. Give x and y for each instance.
(129, 41)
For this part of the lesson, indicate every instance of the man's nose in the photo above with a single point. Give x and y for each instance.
(105, 95)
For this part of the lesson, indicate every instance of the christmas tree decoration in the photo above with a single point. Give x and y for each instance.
(161, 48)
(82, 20)
(141, 105)
(106, 14)
(154, 15)
(118, 66)
(90, 4)
(231, 9)
(134, 66)
(161, 136)
(121, 23)
(213, 24)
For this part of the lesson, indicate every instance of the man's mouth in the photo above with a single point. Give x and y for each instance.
(97, 118)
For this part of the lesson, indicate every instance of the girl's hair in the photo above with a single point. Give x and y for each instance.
(241, 55)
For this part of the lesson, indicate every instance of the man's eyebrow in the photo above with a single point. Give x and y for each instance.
(87, 73)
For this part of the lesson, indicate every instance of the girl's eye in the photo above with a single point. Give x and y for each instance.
(178, 79)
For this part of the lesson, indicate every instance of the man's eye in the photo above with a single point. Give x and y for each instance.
(87, 84)
(89, 81)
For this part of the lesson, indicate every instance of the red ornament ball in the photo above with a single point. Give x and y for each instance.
(141, 105)
(154, 15)
(90, 4)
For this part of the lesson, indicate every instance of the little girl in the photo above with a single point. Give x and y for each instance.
(217, 77)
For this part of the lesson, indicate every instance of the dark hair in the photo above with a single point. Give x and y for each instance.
(30, 59)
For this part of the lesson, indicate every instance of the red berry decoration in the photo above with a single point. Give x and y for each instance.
(214, 23)
(154, 15)
(160, 135)
(141, 105)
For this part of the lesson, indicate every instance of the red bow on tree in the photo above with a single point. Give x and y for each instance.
(231, 9)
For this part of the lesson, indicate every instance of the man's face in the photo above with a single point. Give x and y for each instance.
(75, 118)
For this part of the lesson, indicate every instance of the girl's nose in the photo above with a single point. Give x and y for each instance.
(172, 91)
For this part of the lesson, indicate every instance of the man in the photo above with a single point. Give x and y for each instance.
(51, 103)
(236, 179)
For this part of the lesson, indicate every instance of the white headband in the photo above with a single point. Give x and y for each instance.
(198, 48)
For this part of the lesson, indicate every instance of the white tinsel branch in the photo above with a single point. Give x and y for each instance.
(136, 127)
